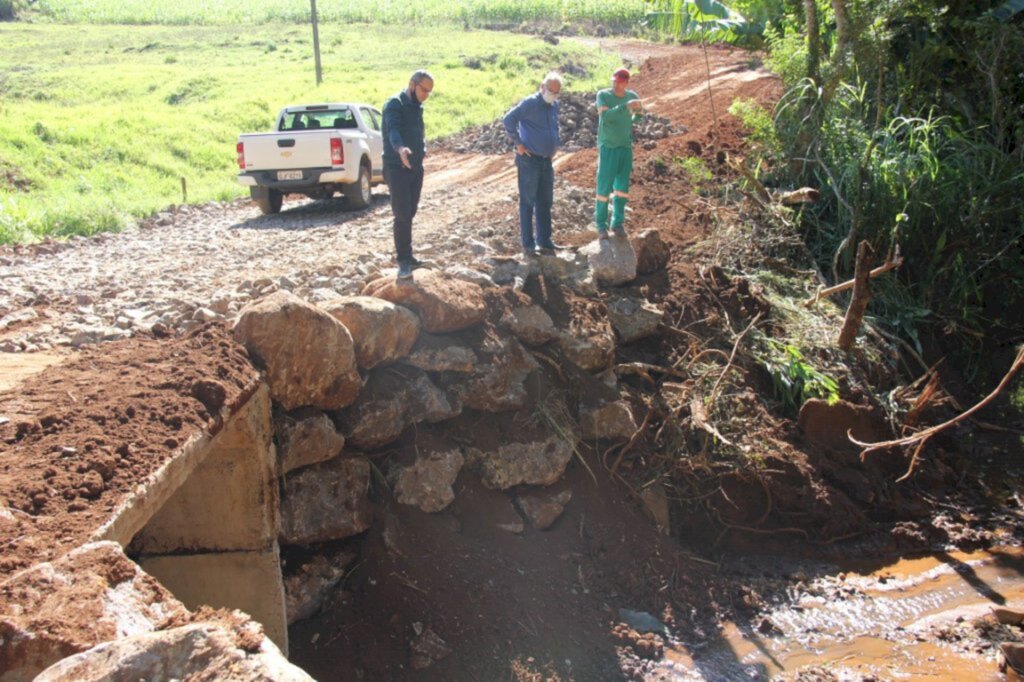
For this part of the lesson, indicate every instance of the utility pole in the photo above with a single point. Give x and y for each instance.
(316, 43)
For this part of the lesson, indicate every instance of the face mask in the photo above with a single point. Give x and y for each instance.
(549, 96)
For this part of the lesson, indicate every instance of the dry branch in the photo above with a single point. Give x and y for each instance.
(732, 356)
(861, 296)
(894, 261)
(929, 432)
(700, 419)
(804, 195)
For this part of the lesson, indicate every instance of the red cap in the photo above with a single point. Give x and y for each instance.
(621, 75)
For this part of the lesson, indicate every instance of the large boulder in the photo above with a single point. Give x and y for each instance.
(441, 354)
(383, 332)
(202, 651)
(308, 356)
(305, 437)
(391, 402)
(530, 324)
(444, 304)
(427, 483)
(611, 421)
(613, 261)
(589, 341)
(307, 585)
(499, 383)
(93, 594)
(634, 318)
(536, 463)
(652, 254)
(326, 501)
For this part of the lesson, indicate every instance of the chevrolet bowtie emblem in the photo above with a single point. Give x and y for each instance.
(286, 154)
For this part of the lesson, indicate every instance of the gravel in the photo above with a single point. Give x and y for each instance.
(191, 264)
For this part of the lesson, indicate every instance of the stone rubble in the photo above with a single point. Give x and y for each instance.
(577, 127)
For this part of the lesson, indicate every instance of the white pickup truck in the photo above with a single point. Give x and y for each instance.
(316, 150)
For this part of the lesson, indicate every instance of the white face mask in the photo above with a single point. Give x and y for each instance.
(549, 96)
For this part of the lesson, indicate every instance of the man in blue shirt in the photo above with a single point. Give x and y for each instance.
(404, 149)
(533, 127)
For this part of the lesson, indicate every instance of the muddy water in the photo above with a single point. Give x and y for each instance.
(880, 624)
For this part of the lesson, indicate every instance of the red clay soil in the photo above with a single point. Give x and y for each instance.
(80, 436)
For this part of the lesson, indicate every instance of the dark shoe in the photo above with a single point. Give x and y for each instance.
(602, 234)
(416, 263)
(529, 251)
(549, 248)
(404, 270)
(619, 232)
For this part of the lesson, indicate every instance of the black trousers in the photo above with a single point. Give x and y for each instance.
(404, 185)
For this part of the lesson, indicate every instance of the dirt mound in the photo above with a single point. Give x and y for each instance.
(577, 127)
(81, 435)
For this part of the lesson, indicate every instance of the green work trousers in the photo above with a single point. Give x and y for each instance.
(614, 166)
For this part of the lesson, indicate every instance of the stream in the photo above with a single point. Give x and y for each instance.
(909, 620)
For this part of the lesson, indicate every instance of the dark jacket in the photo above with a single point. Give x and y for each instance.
(533, 123)
(403, 127)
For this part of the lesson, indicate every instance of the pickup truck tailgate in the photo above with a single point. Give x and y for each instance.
(294, 149)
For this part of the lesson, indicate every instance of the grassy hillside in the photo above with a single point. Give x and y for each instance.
(472, 12)
(101, 123)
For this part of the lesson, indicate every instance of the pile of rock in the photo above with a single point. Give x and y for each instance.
(348, 376)
(577, 126)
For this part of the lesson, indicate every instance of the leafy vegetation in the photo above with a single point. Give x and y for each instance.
(912, 125)
(97, 126)
(702, 20)
(794, 379)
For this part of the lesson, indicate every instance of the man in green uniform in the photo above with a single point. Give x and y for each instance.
(617, 108)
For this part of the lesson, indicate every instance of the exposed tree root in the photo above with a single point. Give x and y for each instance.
(924, 435)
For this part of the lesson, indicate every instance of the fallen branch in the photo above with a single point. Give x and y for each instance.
(804, 195)
(859, 300)
(643, 369)
(929, 432)
(894, 261)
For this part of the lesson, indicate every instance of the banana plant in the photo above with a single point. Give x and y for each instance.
(702, 20)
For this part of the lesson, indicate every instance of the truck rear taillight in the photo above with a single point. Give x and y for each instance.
(240, 148)
(337, 152)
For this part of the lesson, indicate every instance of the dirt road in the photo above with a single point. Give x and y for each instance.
(204, 262)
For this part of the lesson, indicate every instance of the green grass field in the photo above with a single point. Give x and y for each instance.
(472, 12)
(100, 123)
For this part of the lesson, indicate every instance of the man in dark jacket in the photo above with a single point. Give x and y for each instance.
(404, 149)
(533, 127)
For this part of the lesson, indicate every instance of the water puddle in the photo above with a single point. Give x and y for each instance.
(907, 621)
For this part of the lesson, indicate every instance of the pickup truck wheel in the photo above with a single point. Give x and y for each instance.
(270, 203)
(358, 193)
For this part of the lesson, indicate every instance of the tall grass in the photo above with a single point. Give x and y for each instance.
(950, 198)
(471, 12)
(100, 125)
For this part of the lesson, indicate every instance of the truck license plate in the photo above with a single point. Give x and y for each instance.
(289, 175)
